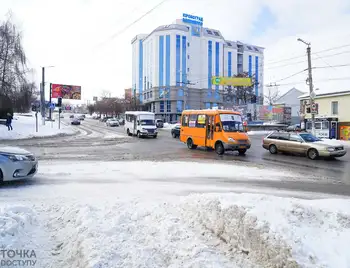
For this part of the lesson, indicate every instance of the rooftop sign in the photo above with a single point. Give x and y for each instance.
(191, 19)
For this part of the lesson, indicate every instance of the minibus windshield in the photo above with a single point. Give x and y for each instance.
(231, 122)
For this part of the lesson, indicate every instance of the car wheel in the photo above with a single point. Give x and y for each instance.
(273, 149)
(155, 136)
(128, 132)
(219, 148)
(139, 134)
(174, 135)
(190, 144)
(312, 154)
(242, 151)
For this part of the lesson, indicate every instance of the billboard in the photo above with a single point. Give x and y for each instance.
(66, 91)
(231, 81)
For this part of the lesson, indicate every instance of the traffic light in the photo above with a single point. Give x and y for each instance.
(59, 102)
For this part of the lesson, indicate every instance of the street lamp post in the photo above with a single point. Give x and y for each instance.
(42, 93)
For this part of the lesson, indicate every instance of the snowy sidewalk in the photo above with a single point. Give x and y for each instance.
(24, 127)
(135, 214)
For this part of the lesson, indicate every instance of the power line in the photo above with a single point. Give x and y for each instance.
(131, 24)
(331, 66)
(301, 56)
(318, 80)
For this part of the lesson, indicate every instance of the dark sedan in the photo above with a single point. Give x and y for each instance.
(175, 131)
(75, 121)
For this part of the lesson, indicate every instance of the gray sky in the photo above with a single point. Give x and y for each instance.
(68, 34)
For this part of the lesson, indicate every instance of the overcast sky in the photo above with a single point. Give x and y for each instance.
(76, 37)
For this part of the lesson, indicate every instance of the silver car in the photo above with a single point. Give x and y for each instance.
(16, 164)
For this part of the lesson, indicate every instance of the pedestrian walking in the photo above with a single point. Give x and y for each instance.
(9, 122)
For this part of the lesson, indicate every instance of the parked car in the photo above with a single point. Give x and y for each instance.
(175, 131)
(303, 143)
(121, 122)
(159, 123)
(71, 116)
(294, 128)
(112, 122)
(81, 118)
(16, 164)
(104, 119)
(75, 121)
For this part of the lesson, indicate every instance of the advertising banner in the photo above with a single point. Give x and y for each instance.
(231, 81)
(66, 92)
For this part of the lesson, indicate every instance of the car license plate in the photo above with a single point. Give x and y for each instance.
(241, 147)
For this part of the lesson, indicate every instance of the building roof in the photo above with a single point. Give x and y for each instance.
(321, 93)
(289, 91)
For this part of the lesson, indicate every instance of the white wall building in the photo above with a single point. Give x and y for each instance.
(173, 65)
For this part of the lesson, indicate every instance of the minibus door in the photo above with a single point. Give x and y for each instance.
(210, 125)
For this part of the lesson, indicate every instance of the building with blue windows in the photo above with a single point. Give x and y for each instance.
(172, 67)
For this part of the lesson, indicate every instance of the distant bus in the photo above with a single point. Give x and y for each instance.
(220, 130)
(140, 124)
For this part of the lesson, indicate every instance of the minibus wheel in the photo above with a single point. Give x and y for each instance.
(190, 144)
(219, 148)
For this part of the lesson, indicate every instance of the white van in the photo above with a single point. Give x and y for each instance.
(141, 124)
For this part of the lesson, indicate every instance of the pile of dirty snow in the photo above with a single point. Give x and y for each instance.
(203, 230)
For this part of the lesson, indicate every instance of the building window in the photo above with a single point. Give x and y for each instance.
(188, 44)
(188, 70)
(150, 94)
(161, 106)
(179, 106)
(188, 56)
(168, 106)
(334, 107)
(207, 105)
(181, 92)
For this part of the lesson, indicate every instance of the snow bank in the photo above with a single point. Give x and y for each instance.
(24, 127)
(207, 230)
(16, 224)
(275, 231)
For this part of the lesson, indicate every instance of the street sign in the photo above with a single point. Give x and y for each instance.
(52, 106)
(314, 108)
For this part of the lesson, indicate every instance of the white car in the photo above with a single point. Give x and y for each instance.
(16, 164)
(112, 123)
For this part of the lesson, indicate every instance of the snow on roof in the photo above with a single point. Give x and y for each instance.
(324, 93)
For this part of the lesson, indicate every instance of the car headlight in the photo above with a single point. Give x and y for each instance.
(15, 158)
(330, 149)
(231, 140)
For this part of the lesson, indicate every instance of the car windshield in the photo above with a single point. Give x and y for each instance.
(231, 122)
(147, 122)
(309, 137)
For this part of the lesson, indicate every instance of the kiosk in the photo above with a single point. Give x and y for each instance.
(325, 127)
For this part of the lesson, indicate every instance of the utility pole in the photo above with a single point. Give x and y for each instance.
(50, 111)
(135, 98)
(308, 50)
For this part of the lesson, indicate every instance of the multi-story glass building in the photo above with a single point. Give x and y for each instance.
(172, 67)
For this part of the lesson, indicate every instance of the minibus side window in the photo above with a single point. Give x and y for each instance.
(192, 120)
(185, 120)
(200, 121)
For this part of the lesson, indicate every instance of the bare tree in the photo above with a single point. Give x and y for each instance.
(272, 95)
(16, 92)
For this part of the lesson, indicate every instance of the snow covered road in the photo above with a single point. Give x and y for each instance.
(148, 214)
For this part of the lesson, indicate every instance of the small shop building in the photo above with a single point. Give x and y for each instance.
(332, 114)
